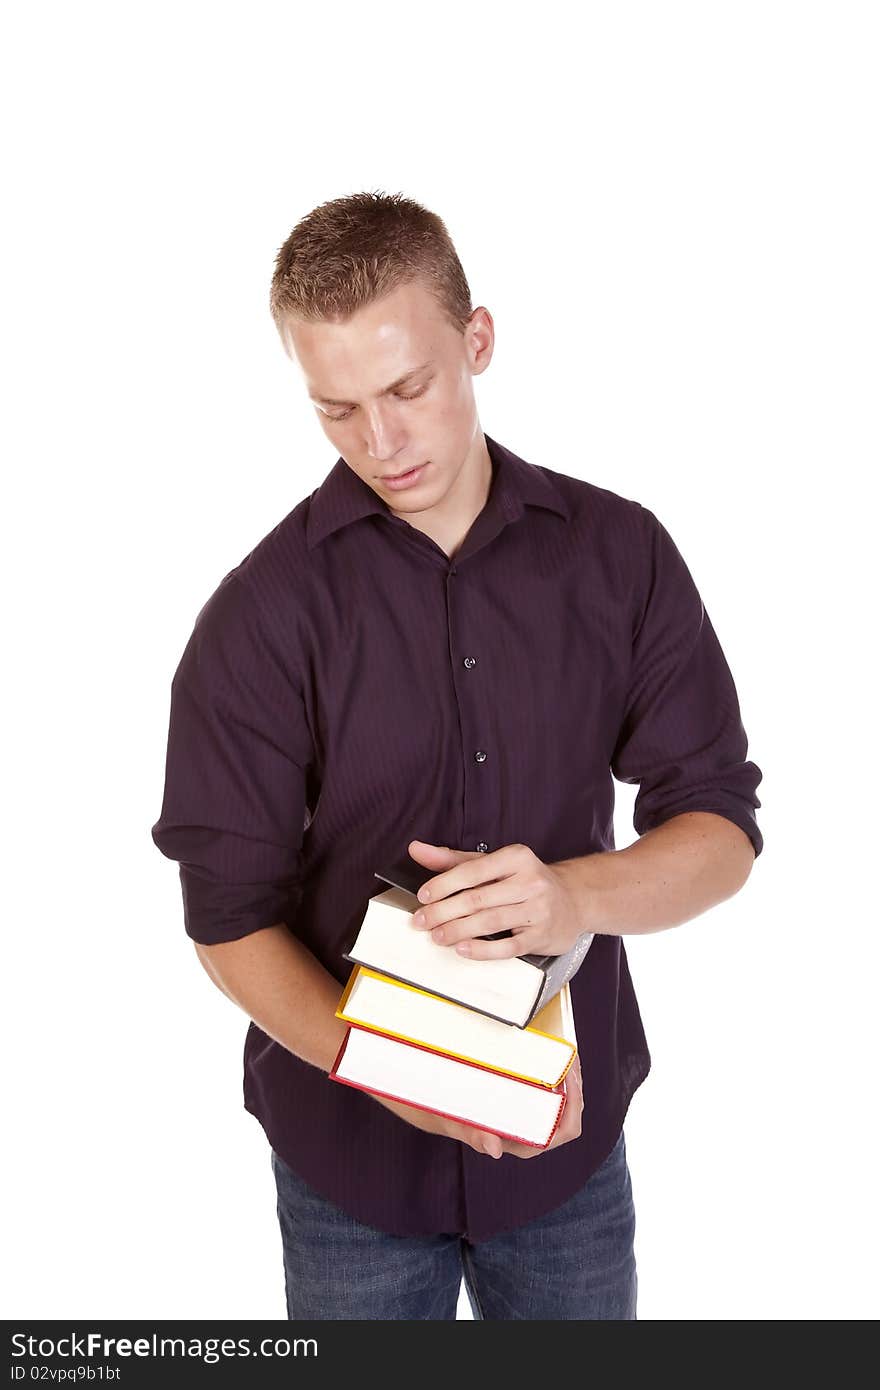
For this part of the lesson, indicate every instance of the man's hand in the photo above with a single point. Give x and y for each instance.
(569, 1125)
(474, 895)
(484, 1142)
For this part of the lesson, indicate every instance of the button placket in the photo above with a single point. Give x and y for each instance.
(479, 793)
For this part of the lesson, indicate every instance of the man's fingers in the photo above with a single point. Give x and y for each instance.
(482, 1142)
(580, 1084)
(489, 1144)
(574, 1076)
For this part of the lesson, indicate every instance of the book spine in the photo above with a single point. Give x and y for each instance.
(339, 1054)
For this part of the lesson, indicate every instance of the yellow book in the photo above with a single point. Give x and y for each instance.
(540, 1053)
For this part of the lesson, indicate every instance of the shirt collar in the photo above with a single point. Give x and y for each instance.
(343, 497)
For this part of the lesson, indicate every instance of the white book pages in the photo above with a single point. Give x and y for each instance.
(453, 1028)
(389, 941)
(478, 1097)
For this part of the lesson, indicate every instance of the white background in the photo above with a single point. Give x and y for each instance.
(672, 213)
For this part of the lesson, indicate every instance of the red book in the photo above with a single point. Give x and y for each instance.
(459, 1090)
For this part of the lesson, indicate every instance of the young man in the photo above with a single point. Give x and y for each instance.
(443, 651)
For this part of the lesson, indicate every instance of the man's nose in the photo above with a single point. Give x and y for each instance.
(383, 439)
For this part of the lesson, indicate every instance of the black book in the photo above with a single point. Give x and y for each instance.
(512, 990)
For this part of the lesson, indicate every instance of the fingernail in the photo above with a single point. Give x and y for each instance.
(419, 919)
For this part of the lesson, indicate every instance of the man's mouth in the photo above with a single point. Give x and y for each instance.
(405, 479)
(406, 472)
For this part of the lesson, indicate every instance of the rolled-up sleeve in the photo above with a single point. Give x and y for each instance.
(234, 802)
(681, 739)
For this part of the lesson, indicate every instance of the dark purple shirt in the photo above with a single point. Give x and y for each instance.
(348, 687)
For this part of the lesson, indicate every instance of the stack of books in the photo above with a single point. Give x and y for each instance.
(487, 1043)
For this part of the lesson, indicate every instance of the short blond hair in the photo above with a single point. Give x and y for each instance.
(349, 252)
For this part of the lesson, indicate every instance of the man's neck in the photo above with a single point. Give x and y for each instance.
(448, 523)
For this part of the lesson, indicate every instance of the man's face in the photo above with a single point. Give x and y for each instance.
(393, 387)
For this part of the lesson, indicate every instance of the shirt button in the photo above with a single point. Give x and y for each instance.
(482, 847)
(470, 661)
(480, 756)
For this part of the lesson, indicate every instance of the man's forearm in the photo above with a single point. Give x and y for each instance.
(670, 875)
(284, 988)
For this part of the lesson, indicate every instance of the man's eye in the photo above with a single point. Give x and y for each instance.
(402, 395)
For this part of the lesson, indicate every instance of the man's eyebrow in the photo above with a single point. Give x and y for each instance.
(401, 381)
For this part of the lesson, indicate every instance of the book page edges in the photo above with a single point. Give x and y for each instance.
(460, 1056)
(417, 989)
(556, 1007)
(450, 999)
(377, 928)
(459, 1119)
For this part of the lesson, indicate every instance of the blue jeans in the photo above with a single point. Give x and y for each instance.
(576, 1262)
